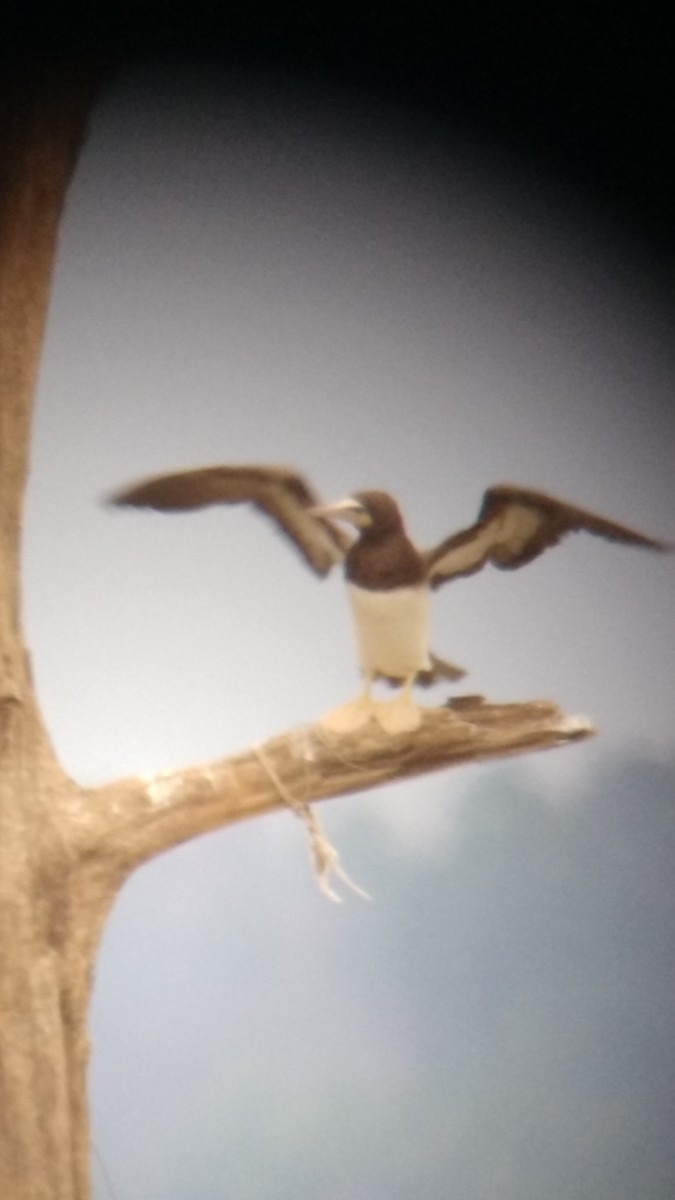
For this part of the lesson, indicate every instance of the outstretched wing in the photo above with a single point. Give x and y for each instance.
(278, 492)
(514, 526)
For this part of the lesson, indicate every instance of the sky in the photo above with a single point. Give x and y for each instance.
(252, 270)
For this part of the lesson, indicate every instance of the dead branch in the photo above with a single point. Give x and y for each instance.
(127, 822)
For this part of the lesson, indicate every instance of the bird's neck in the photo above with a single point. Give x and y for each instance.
(382, 559)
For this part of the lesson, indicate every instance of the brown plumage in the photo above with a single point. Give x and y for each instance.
(387, 576)
(281, 494)
(515, 525)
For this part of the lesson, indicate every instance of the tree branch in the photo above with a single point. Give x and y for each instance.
(131, 820)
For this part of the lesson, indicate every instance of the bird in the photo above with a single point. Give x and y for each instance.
(389, 579)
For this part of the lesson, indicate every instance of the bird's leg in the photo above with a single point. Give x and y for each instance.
(402, 714)
(353, 715)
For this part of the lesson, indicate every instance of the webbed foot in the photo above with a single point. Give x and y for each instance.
(349, 717)
(401, 715)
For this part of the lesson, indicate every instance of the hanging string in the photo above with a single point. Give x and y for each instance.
(323, 855)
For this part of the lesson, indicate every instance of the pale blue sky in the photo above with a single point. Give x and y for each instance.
(251, 273)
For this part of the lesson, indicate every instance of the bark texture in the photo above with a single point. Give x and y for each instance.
(43, 982)
(64, 850)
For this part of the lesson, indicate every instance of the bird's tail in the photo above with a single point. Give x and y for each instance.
(438, 671)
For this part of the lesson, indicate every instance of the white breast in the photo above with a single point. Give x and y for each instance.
(392, 629)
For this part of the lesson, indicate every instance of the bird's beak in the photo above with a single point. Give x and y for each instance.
(343, 510)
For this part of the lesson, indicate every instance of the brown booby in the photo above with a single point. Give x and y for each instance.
(388, 578)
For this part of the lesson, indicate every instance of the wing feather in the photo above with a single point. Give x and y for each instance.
(514, 526)
(278, 492)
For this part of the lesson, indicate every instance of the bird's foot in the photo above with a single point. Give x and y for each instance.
(349, 717)
(401, 715)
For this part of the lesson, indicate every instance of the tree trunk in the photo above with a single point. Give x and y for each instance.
(65, 851)
(43, 982)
